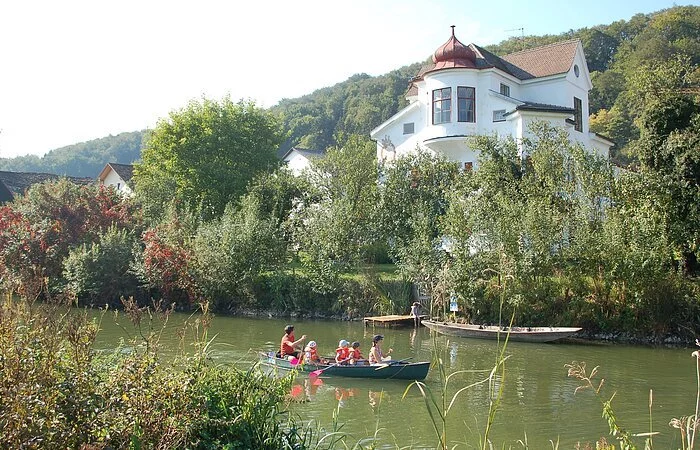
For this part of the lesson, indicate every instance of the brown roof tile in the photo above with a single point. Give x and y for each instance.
(547, 60)
(125, 171)
(536, 62)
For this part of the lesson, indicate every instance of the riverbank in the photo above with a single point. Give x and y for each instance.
(583, 337)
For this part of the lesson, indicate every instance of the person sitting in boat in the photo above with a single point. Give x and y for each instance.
(289, 348)
(376, 356)
(342, 353)
(356, 355)
(311, 354)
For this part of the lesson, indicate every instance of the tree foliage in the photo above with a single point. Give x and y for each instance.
(334, 226)
(100, 272)
(38, 230)
(205, 154)
(232, 251)
(85, 159)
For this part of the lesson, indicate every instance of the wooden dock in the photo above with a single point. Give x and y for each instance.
(390, 321)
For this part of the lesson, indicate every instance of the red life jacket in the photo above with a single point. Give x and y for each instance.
(355, 353)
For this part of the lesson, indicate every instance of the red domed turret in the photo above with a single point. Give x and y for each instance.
(454, 54)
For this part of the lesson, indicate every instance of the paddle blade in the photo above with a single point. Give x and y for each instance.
(315, 373)
(294, 361)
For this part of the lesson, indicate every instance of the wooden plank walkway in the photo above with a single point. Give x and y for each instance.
(390, 321)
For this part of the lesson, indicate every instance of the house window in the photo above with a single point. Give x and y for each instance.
(468, 166)
(408, 128)
(465, 104)
(119, 186)
(578, 114)
(505, 90)
(442, 105)
(499, 115)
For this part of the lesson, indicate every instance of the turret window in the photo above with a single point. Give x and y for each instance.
(466, 104)
(442, 106)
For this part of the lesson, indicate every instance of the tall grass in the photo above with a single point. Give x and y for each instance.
(56, 391)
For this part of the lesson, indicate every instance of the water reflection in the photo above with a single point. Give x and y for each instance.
(375, 400)
(342, 395)
(538, 397)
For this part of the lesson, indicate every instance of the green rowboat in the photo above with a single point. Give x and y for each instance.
(394, 369)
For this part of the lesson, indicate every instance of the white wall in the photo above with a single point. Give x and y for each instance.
(296, 162)
(112, 179)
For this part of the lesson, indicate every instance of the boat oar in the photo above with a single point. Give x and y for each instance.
(385, 365)
(318, 372)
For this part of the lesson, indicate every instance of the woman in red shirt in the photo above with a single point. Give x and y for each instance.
(288, 346)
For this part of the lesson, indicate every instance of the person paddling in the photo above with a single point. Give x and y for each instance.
(288, 346)
(376, 356)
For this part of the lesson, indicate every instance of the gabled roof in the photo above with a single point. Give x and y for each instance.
(17, 183)
(545, 61)
(307, 153)
(125, 171)
(548, 60)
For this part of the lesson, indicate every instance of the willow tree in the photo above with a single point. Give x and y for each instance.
(205, 154)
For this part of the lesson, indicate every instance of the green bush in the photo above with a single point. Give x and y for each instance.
(101, 271)
(57, 392)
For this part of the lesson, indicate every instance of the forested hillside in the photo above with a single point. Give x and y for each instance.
(85, 159)
(617, 55)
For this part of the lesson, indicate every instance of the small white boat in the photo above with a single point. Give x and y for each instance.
(523, 334)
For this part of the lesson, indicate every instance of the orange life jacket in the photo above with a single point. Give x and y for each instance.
(342, 353)
(355, 353)
(311, 355)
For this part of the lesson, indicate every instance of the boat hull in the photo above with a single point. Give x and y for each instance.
(522, 334)
(390, 370)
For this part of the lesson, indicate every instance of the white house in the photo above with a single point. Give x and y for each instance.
(467, 90)
(117, 176)
(298, 159)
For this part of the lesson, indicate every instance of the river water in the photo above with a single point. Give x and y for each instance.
(538, 403)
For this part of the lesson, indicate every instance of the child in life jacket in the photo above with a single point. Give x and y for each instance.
(356, 355)
(342, 353)
(311, 354)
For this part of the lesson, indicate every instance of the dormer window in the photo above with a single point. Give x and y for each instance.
(442, 106)
(466, 104)
(505, 90)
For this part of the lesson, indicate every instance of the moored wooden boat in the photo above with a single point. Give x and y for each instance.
(523, 334)
(397, 370)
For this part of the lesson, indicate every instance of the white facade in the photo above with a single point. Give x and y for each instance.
(541, 88)
(299, 159)
(110, 176)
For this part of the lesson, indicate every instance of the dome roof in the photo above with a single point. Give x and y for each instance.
(454, 54)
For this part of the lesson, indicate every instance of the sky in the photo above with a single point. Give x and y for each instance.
(73, 70)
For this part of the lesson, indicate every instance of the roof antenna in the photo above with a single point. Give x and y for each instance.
(453, 30)
(522, 36)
